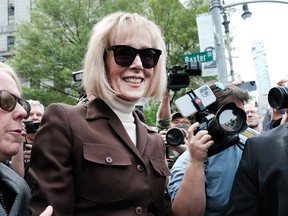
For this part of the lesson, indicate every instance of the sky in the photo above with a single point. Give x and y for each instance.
(267, 23)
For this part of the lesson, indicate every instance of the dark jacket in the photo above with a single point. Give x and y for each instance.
(261, 182)
(19, 188)
(84, 163)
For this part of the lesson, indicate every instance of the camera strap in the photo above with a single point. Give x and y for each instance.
(196, 101)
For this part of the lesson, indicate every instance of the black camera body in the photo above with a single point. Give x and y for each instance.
(178, 80)
(205, 122)
(278, 97)
(224, 127)
(31, 126)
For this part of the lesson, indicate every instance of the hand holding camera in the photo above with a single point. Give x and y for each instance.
(224, 126)
(199, 144)
(31, 128)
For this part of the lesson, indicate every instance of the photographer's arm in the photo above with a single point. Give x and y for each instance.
(190, 198)
(164, 113)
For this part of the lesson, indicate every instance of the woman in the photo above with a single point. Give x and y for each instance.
(99, 158)
(14, 192)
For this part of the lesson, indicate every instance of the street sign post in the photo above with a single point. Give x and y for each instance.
(199, 57)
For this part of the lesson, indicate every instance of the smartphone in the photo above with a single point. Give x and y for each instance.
(186, 106)
(249, 86)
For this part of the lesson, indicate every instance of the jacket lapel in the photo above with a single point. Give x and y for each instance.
(99, 109)
(141, 131)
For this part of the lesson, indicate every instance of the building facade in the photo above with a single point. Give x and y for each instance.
(11, 13)
(262, 74)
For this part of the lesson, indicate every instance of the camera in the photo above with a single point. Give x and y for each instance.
(178, 80)
(175, 136)
(31, 126)
(224, 127)
(278, 97)
(77, 76)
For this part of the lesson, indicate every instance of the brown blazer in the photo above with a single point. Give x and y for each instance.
(85, 163)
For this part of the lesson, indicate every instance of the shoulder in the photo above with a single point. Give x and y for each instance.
(11, 178)
(181, 161)
(269, 145)
(62, 107)
(64, 111)
(275, 135)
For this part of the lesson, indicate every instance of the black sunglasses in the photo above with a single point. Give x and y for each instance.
(125, 55)
(8, 102)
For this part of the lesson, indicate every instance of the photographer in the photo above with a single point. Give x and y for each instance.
(165, 121)
(200, 185)
(181, 123)
(32, 124)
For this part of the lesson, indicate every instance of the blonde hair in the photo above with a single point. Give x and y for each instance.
(117, 26)
(9, 70)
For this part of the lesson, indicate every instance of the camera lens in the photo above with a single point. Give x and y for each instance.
(278, 97)
(175, 136)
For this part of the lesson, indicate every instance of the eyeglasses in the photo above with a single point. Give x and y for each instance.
(125, 55)
(8, 102)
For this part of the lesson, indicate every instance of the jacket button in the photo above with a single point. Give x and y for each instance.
(108, 160)
(140, 168)
(139, 210)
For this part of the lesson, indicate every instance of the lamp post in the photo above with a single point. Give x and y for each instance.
(216, 8)
(226, 23)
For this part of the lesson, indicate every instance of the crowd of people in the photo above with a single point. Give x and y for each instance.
(99, 157)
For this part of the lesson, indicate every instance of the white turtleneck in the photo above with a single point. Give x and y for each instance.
(123, 110)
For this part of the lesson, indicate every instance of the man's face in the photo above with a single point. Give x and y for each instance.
(11, 127)
(253, 116)
(180, 120)
(36, 113)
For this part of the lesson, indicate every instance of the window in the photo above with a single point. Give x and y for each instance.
(10, 42)
(11, 12)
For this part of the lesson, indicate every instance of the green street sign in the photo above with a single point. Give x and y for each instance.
(199, 57)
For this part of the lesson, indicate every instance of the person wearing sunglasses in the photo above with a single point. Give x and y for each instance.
(20, 163)
(99, 158)
(14, 192)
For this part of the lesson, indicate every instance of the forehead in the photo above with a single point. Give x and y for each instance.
(249, 107)
(36, 108)
(8, 83)
(124, 34)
